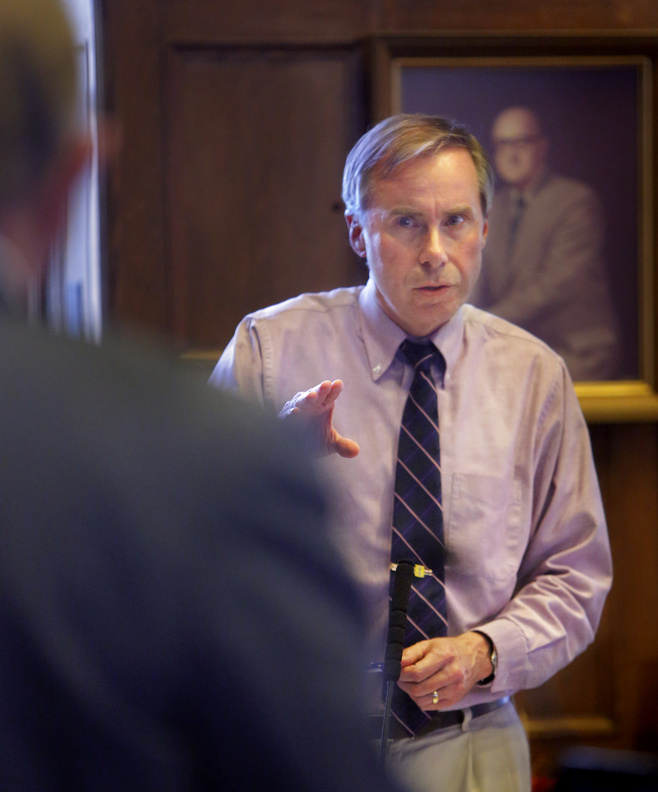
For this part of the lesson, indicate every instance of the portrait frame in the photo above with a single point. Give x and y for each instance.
(409, 72)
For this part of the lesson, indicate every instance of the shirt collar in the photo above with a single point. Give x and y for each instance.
(382, 337)
(449, 340)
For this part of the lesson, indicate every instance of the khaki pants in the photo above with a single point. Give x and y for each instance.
(485, 754)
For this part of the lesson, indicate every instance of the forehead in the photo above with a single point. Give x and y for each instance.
(515, 123)
(449, 175)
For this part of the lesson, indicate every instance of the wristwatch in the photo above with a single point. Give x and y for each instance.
(493, 657)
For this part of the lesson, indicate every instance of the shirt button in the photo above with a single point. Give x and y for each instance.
(377, 369)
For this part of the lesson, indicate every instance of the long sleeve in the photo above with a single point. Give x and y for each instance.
(528, 549)
(566, 569)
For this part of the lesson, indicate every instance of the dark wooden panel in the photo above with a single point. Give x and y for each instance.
(258, 138)
(132, 75)
(631, 487)
(427, 15)
(271, 21)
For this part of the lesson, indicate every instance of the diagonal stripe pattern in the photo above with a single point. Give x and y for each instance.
(418, 514)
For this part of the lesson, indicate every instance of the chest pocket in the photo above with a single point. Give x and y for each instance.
(483, 534)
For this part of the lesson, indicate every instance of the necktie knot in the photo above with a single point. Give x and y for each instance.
(421, 356)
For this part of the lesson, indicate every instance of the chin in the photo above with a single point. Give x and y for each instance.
(426, 330)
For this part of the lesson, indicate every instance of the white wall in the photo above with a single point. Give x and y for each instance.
(75, 290)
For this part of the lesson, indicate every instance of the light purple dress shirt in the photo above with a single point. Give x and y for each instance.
(528, 558)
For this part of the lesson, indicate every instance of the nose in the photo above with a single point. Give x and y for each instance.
(433, 253)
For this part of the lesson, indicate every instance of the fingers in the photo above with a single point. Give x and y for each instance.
(437, 696)
(424, 671)
(415, 653)
(437, 666)
(314, 409)
(316, 401)
(428, 695)
(433, 693)
(420, 675)
(431, 701)
(326, 392)
(316, 398)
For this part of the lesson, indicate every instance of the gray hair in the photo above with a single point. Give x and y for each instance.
(38, 87)
(401, 138)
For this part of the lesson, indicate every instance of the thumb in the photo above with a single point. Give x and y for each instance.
(412, 654)
(345, 447)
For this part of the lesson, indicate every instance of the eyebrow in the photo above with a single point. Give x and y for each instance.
(404, 210)
(461, 209)
(529, 138)
(401, 209)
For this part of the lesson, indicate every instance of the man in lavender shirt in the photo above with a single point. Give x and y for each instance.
(527, 563)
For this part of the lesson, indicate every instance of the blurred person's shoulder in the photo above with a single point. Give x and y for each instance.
(131, 392)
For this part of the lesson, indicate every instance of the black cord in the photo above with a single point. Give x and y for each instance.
(383, 748)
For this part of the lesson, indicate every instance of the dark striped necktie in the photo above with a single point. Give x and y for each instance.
(418, 514)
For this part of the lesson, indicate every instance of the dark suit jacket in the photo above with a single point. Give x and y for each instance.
(172, 615)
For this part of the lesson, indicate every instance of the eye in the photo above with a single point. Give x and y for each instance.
(455, 219)
(405, 221)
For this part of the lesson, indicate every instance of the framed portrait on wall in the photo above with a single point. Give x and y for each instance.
(568, 125)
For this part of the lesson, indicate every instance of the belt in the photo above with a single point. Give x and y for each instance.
(438, 720)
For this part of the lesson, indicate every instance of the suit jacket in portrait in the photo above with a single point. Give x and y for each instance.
(552, 280)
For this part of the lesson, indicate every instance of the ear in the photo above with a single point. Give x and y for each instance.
(485, 231)
(75, 158)
(52, 195)
(355, 232)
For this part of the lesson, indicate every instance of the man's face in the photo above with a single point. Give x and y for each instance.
(519, 147)
(422, 235)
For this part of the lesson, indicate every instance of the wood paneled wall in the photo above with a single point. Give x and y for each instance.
(254, 214)
(236, 117)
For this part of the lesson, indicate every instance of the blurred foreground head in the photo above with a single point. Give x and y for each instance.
(42, 145)
(37, 93)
